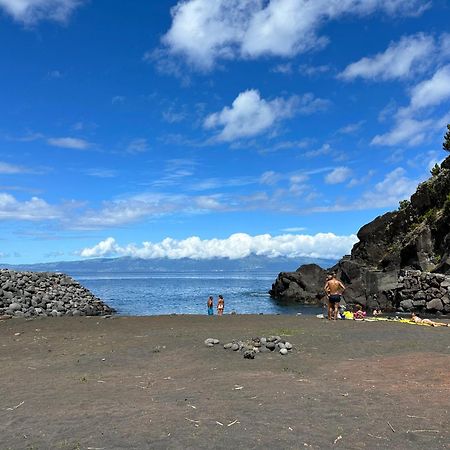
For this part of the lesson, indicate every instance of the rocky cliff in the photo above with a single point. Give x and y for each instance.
(413, 239)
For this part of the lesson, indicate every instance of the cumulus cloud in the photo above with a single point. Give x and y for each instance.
(338, 175)
(239, 245)
(204, 31)
(69, 142)
(34, 209)
(251, 115)
(32, 11)
(400, 60)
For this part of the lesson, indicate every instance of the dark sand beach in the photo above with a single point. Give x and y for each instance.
(150, 382)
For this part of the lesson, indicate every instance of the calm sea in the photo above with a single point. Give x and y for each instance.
(187, 293)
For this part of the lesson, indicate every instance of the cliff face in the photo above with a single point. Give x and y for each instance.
(414, 238)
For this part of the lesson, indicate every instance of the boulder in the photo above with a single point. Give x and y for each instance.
(435, 305)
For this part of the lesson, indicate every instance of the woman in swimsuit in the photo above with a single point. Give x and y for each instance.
(220, 305)
(417, 319)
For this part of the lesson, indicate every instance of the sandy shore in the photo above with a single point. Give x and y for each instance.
(150, 382)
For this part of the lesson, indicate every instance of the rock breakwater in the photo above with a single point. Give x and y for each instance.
(29, 294)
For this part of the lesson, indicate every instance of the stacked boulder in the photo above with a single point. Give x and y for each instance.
(424, 291)
(28, 294)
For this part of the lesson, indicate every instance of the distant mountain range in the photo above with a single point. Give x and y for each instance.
(137, 265)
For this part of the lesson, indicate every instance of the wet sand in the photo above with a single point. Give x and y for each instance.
(150, 382)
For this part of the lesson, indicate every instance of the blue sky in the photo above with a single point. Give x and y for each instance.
(205, 128)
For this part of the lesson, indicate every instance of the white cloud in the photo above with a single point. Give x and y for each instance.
(239, 245)
(388, 192)
(10, 169)
(118, 99)
(338, 175)
(250, 115)
(101, 173)
(285, 69)
(270, 178)
(312, 71)
(138, 145)
(204, 31)
(32, 11)
(410, 131)
(433, 91)
(31, 210)
(351, 128)
(69, 142)
(400, 60)
(294, 229)
(322, 151)
(425, 96)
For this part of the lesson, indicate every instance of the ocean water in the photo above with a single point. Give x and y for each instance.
(186, 293)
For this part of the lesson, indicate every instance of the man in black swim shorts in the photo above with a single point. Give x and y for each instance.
(334, 289)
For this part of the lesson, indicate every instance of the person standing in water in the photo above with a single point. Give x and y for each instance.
(210, 305)
(334, 289)
(220, 305)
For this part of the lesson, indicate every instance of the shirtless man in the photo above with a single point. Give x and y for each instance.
(334, 289)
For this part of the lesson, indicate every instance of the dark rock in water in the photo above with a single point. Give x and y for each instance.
(303, 286)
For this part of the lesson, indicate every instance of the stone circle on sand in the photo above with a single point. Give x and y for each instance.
(249, 348)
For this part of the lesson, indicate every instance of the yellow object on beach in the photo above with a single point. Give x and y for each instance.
(348, 315)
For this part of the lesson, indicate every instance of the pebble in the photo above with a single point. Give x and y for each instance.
(283, 351)
(235, 347)
(270, 345)
(288, 346)
(249, 354)
(227, 346)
